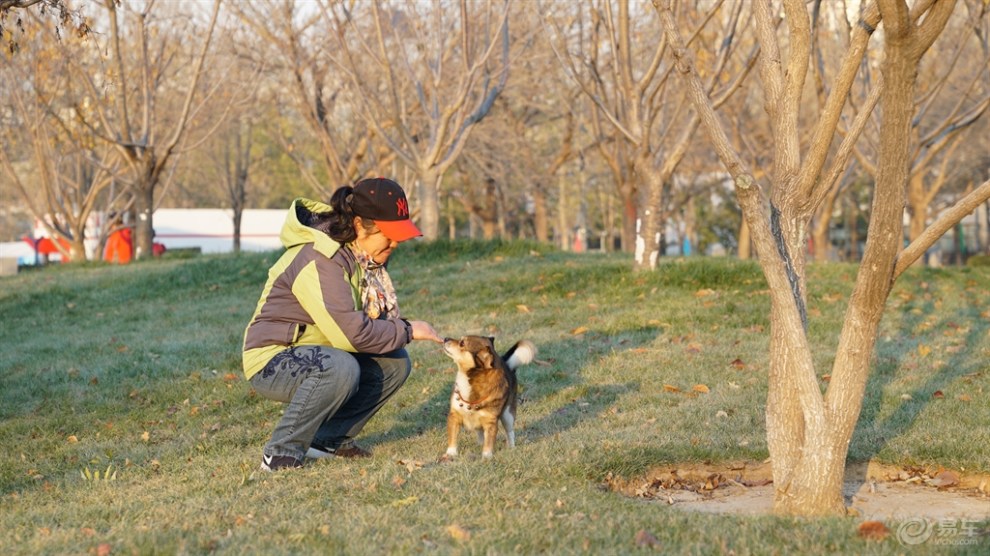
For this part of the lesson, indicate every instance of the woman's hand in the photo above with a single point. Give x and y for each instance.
(421, 330)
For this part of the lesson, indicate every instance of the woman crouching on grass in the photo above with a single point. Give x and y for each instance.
(327, 337)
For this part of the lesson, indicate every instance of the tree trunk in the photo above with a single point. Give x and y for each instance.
(918, 206)
(745, 242)
(429, 202)
(541, 226)
(648, 225)
(144, 208)
(237, 230)
(629, 219)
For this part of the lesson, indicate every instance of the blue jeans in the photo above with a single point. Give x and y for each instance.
(330, 394)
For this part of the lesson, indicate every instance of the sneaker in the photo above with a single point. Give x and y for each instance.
(274, 463)
(353, 451)
(319, 452)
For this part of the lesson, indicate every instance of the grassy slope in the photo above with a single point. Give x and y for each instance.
(138, 368)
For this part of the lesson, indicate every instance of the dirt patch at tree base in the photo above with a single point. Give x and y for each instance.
(873, 491)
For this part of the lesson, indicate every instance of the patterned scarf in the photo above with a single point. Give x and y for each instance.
(377, 292)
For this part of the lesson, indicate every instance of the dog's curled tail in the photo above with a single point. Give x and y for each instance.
(520, 354)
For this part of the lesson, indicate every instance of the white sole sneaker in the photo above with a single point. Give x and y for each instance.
(318, 453)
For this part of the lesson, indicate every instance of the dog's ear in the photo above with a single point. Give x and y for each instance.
(485, 357)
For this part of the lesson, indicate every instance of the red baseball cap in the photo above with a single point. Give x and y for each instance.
(384, 201)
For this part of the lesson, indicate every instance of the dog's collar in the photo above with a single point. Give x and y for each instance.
(470, 405)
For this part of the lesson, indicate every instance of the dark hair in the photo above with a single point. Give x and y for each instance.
(339, 223)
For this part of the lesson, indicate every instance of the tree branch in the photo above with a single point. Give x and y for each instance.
(937, 229)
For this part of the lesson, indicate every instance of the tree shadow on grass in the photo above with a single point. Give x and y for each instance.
(907, 412)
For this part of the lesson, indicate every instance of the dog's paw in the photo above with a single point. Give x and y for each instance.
(446, 458)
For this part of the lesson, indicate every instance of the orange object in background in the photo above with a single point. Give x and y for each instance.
(120, 247)
(45, 246)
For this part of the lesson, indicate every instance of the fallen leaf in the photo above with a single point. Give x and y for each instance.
(411, 465)
(693, 347)
(945, 479)
(670, 388)
(145, 436)
(964, 398)
(458, 532)
(701, 388)
(827, 378)
(230, 377)
(103, 549)
(704, 293)
(646, 539)
(938, 395)
(408, 501)
(72, 439)
(522, 308)
(873, 530)
(579, 330)
(738, 363)
(924, 350)
(721, 414)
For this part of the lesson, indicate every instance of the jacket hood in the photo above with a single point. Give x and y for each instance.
(295, 232)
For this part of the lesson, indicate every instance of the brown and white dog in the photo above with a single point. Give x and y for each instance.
(484, 390)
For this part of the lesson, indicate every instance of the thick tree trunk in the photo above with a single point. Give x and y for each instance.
(144, 207)
(649, 222)
(629, 220)
(745, 241)
(428, 199)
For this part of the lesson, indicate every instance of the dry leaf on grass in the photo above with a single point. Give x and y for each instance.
(458, 532)
(670, 388)
(945, 479)
(646, 539)
(738, 363)
(701, 388)
(579, 330)
(874, 530)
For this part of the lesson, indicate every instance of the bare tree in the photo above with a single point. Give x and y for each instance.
(642, 106)
(953, 99)
(808, 433)
(127, 99)
(65, 17)
(61, 173)
(423, 77)
(296, 41)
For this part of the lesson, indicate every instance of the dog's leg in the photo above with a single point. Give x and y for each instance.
(508, 423)
(454, 422)
(490, 429)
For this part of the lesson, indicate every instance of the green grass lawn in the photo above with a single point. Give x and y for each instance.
(126, 424)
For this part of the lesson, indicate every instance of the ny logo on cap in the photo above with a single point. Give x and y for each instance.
(402, 207)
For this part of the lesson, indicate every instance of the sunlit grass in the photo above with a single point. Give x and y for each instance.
(137, 369)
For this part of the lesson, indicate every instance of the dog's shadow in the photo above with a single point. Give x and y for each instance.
(556, 373)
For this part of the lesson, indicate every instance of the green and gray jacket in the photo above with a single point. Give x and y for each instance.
(313, 297)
